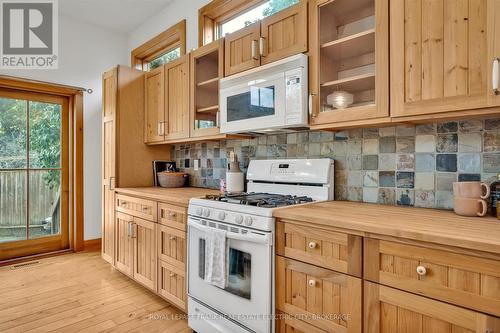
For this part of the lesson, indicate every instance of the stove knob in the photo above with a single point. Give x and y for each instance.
(248, 220)
(222, 215)
(206, 212)
(239, 219)
(199, 211)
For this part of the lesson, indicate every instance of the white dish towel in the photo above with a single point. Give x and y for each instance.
(215, 257)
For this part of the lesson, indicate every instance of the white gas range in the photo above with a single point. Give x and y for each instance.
(241, 299)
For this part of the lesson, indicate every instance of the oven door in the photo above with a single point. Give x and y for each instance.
(254, 105)
(248, 290)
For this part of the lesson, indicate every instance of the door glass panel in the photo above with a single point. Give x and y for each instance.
(44, 203)
(12, 133)
(12, 206)
(255, 103)
(45, 135)
(239, 273)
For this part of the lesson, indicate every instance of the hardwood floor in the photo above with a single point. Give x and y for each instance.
(80, 293)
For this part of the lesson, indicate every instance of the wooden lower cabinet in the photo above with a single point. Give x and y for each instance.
(124, 246)
(288, 324)
(145, 257)
(172, 246)
(172, 284)
(323, 298)
(390, 310)
(172, 216)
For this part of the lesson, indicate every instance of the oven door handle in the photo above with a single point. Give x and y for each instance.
(259, 239)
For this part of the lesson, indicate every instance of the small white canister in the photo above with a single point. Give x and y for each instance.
(235, 179)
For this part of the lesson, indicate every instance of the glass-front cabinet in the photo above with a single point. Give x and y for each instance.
(349, 77)
(206, 70)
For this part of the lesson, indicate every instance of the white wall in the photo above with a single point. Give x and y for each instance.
(176, 11)
(85, 52)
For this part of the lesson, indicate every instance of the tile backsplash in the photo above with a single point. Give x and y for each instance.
(401, 165)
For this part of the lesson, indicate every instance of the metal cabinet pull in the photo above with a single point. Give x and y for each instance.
(111, 183)
(254, 50)
(129, 231)
(172, 238)
(172, 214)
(496, 75)
(172, 274)
(311, 113)
(158, 130)
(261, 46)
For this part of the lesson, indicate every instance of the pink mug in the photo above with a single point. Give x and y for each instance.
(471, 190)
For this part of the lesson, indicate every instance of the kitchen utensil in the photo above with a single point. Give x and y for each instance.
(171, 179)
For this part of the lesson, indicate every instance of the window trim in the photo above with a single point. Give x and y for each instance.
(216, 12)
(172, 38)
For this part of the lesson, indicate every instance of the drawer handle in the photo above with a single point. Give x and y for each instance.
(173, 238)
(312, 283)
(172, 214)
(172, 274)
(421, 270)
(312, 245)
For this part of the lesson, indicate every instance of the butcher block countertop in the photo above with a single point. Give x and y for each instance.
(176, 196)
(419, 224)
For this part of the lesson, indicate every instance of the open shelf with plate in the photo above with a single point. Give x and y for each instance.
(349, 63)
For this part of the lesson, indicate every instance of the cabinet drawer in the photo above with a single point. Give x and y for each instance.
(172, 216)
(388, 310)
(461, 279)
(172, 284)
(144, 209)
(333, 250)
(172, 246)
(286, 324)
(308, 291)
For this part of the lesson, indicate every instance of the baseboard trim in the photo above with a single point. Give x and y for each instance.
(34, 257)
(92, 244)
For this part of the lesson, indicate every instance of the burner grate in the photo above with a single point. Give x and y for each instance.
(265, 200)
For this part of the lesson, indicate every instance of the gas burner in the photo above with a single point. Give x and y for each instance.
(265, 200)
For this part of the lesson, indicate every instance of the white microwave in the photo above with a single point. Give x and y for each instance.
(269, 98)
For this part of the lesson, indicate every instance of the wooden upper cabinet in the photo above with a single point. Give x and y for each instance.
(441, 55)
(154, 130)
(242, 49)
(284, 33)
(348, 47)
(177, 99)
(388, 310)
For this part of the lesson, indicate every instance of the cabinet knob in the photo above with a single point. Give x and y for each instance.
(172, 214)
(172, 237)
(312, 283)
(312, 245)
(172, 274)
(421, 270)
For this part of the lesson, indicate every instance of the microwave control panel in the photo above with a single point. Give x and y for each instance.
(295, 82)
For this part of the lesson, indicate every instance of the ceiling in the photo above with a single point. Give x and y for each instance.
(118, 15)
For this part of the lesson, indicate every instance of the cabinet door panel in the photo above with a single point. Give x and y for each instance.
(145, 257)
(172, 216)
(177, 98)
(241, 49)
(307, 290)
(460, 279)
(108, 163)
(285, 33)
(172, 284)
(172, 246)
(155, 106)
(389, 310)
(124, 245)
(439, 55)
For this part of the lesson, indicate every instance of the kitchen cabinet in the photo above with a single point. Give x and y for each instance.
(172, 246)
(172, 216)
(145, 257)
(122, 137)
(172, 284)
(391, 310)
(155, 105)
(275, 37)
(441, 56)
(177, 99)
(286, 324)
(349, 46)
(207, 68)
(124, 244)
(307, 290)
(464, 280)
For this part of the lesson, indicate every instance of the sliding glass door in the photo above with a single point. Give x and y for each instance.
(33, 174)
